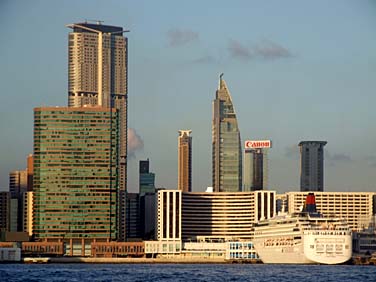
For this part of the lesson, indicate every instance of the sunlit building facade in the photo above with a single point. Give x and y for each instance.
(75, 173)
(185, 161)
(225, 215)
(226, 144)
(356, 207)
(98, 75)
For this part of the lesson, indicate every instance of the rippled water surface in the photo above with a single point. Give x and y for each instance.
(185, 272)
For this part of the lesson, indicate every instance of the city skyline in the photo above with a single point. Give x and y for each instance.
(310, 78)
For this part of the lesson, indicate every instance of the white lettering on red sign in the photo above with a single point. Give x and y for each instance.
(256, 144)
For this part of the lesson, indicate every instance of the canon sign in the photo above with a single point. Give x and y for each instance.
(257, 144)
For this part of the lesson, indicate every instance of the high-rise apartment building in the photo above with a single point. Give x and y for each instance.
(312, 165)
(17, 183)
(98, 75)
(185, 161)
(226, 145)
(75, 174)
(146, 178)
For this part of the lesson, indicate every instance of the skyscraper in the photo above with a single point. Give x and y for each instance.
(185, 161)
(256, 164)
(17, 183)
(226, 146)
(146, 178)
(312, 165)
(75, 174)
(98, 75)
(253, 170)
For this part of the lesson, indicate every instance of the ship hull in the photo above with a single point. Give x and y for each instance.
(328, 249)
(321, 249)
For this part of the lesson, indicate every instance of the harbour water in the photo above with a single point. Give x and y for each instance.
(185, 272)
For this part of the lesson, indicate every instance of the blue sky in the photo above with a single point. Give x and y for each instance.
(296, 70)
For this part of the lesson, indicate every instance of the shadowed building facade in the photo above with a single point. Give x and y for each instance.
(185, 161)
(75, 174)
(98, 75)
(312, 165)
(226, 144)
(146, 178)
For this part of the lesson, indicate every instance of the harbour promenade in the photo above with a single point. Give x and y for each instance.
(174, 260)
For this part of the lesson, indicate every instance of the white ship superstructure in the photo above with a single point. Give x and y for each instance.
(305, 237)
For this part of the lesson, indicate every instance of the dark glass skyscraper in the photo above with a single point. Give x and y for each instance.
(75, 173)
(146, 178)
(312, 165)
(226, 144)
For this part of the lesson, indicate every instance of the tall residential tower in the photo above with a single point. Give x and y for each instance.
(185, 161)
(98, 75)
(226, 145)
(312, 165)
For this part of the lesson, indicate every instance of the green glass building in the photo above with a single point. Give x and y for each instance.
(75, 173)
(226, 143)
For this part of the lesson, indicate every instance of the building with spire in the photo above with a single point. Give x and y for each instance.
(226, 143)
(98, 76)
(185, 161)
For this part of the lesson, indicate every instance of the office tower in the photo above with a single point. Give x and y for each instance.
(4, 210)
(185, 161)
(226, 146)
(148, 215)
(312, 165)
(17, 183)
(13, 215)
(253, 170)
(75, 174)
(133, 216)
(146, 178)
(256, 164)
(98, 75)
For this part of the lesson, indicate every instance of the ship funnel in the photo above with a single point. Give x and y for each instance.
(310, 204)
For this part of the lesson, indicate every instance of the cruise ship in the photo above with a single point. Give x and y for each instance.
(306, 237)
